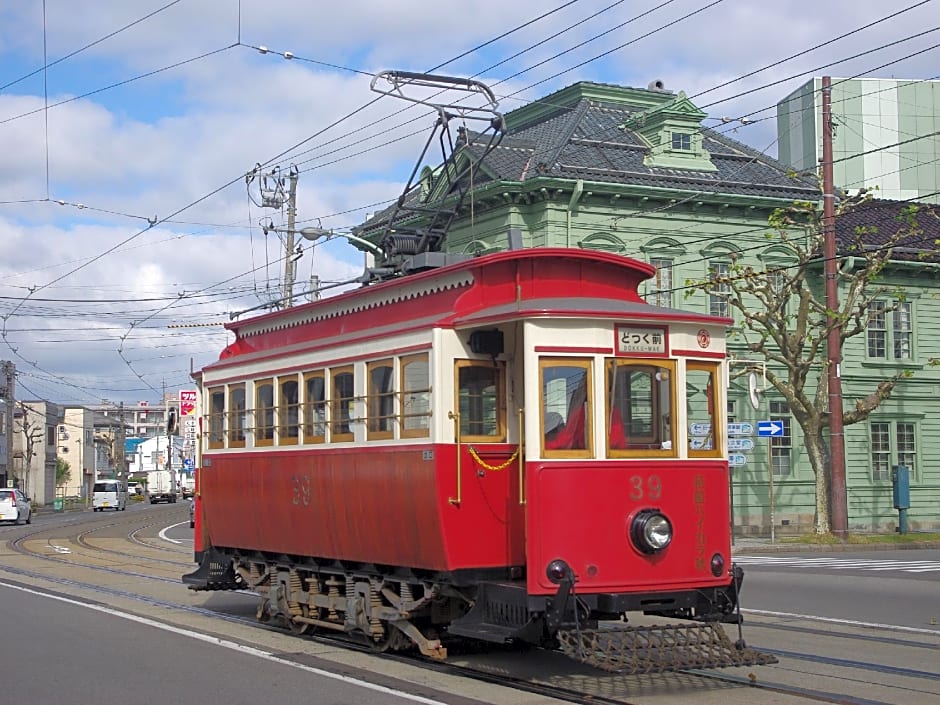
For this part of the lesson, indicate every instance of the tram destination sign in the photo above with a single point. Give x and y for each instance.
(640, 339)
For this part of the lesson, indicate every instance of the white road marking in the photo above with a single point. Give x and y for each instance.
(847, 622)
(843, 563)
(163, 531)
(224, 643)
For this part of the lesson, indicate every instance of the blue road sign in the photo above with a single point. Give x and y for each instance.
(770, 428)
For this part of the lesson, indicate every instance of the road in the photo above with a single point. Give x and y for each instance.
(58, 650)
(92, 604)
(895, 588)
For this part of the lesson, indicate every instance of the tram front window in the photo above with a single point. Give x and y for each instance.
(480, 400)
(565, 406)
(640, 406)
(705, 425)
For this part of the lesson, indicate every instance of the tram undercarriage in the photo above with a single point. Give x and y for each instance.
(392, 613)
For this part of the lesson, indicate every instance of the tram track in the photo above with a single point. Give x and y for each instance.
(78, 536)
(566, 680)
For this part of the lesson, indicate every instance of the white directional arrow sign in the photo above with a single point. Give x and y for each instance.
(770, 428)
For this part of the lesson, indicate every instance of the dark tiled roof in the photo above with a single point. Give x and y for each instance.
(586, 141)
(878, 221)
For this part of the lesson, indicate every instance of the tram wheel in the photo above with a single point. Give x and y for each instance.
(393, 639)
(299, 628)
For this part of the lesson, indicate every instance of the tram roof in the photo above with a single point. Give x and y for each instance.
(525, 283)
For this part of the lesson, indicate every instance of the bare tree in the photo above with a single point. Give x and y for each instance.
(33, 436)
(780, 314)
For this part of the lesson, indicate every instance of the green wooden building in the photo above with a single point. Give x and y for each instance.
(635, 171)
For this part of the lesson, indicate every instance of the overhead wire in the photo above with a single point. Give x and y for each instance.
(49, 64)
(161, 221)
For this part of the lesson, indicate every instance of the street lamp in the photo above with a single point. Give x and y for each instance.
(317, 233)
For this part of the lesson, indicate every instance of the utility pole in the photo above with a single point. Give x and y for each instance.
(7, 397)
(119, 451)
(839, 519)
(289, 259)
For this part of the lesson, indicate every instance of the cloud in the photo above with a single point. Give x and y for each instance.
(176, 145)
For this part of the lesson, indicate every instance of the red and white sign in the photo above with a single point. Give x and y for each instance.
(187, 402)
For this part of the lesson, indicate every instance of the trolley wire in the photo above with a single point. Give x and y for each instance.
(163, 221)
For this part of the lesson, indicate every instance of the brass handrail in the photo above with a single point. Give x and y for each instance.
(521, 456)
(455, 416)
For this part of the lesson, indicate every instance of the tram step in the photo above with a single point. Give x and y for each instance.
(659, 648)
(495, 633)
(215, 572)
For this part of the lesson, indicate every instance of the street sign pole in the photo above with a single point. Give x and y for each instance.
(771, 429)
(770, 464)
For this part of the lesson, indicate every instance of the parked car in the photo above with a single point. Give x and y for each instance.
(133, 489)
(15, 506)
(192, 513)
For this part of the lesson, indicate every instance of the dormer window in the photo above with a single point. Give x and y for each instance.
(682, 141)
(673, 131)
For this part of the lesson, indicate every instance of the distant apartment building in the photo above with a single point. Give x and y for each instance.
(145, 419)
(34, 449)
(886, 135)
(90, 442)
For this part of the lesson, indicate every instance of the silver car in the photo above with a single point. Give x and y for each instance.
(15, 506)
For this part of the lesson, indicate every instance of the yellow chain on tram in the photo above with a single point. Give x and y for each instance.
(493, 468)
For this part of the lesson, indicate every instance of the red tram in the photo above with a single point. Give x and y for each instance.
(510, 448)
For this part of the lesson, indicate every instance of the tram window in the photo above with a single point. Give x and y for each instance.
(216, 419)
(314, 407)
(236, 416)
(415, 396)
(264, 412)
(381, 399)
(640, 407)
(480, 401)
(701, 384)
(566, 416)
(341, 404)
(288, 410)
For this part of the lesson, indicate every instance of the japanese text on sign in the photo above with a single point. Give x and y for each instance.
(640, 340)
(187, 402)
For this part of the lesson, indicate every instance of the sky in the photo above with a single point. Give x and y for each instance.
(131, 229)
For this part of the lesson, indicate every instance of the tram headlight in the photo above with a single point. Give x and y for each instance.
(718, 565)
(651, 531)
(557, 571)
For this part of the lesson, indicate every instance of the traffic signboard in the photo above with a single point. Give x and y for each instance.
(740, 444)
(741, 429)
(736, 460)
(700, 429)
(770, 428)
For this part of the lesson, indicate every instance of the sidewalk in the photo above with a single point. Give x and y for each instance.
(788, 545)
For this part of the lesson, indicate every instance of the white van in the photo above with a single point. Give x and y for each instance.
(109, 494)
